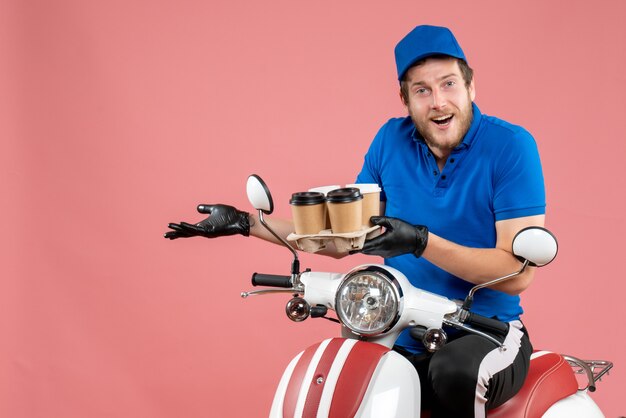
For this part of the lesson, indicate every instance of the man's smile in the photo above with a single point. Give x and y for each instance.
(443, 122)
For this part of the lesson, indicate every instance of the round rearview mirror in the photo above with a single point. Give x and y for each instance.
(535, 244)
(259, 195)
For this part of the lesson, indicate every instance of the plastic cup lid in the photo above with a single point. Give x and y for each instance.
(325, 189)
(307, 198)
(344, 195)
(366, 187)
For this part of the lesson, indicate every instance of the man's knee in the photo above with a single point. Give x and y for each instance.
(453, 375)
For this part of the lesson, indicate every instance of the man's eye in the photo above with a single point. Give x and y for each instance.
(450, 83)
(421, 91)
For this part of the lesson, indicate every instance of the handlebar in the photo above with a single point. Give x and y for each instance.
(271, 280)
(490, 325)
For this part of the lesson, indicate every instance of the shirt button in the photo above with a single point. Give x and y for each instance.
(443, 177)
(435, 172)
(451, 160)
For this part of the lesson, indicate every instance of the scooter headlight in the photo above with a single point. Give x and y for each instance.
(368, 301)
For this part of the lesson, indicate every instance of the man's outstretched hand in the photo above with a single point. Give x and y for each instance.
(223, 220)
(399, 238)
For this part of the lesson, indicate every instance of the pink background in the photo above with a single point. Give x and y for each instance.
(118, 117)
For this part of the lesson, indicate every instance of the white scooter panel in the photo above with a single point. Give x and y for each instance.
(340, 378)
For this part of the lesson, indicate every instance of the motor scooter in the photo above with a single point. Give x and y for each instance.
(359, 375)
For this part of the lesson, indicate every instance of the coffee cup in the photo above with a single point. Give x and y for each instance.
(371, 201)
(308, 210)
(345, 207)
(325, 190)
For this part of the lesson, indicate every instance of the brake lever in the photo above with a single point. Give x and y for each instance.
(266, 291)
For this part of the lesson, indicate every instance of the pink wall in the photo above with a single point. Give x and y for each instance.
(118, 117)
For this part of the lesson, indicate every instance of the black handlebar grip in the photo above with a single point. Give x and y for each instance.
(490, 325)
(272, 280)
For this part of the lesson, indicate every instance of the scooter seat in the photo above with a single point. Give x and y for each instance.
(550, 379)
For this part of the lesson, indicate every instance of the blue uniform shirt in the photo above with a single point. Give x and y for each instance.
(494, 174)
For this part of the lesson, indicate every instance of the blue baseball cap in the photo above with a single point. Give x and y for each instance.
(425, 41)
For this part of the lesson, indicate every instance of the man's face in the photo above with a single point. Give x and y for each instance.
(439, 103)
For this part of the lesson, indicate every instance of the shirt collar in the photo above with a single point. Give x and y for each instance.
(469, 136)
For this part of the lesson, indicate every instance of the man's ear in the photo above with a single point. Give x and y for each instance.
(402, 98)
(472, 90)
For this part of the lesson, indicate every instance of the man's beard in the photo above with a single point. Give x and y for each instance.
(463, 119)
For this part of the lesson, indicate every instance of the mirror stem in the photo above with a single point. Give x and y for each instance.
(295, 266)
(467, 304)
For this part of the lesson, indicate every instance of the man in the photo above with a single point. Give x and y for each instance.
(457, 186)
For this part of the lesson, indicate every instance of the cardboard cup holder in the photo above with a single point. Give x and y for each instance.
(344, 242)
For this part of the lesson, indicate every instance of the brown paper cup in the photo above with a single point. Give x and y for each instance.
(345, 207)
(371, 201)
(325, 190)
(308, 210)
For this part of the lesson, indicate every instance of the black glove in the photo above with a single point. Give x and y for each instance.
(223, 220)
(399, 238)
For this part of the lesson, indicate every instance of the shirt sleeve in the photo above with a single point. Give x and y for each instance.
(371, 170)
(519, 188)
